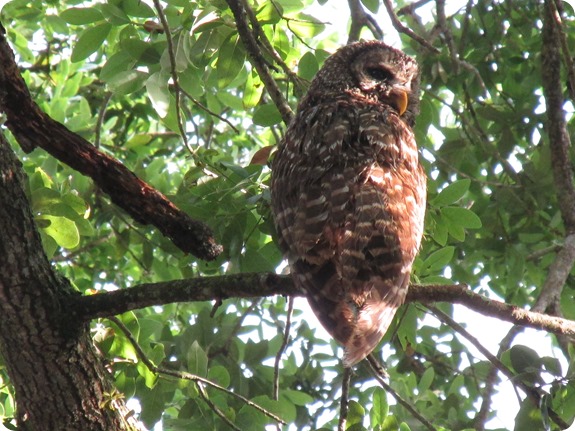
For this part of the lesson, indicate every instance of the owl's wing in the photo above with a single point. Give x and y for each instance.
(311, 183)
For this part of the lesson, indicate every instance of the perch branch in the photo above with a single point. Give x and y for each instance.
(251, 285)
(33, 128)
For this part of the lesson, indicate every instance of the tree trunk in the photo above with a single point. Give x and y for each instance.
(60, 381)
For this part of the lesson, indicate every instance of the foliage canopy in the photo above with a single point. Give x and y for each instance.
(496, 218)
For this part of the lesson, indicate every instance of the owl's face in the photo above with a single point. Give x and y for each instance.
(373, 70)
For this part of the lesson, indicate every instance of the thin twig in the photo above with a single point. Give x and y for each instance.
(208, 110)
(185, 375)
(532, 392)
(410, 8)
(212, 406)
(482, 416)
(403, 29)
(344, 402)
(447, 34)
(100, 121)
(267, 46)
(173, 72)
(282, 348)
(376, 368)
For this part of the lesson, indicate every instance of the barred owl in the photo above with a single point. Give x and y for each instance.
(348, 192)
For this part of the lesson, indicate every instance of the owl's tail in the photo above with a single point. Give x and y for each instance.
(371, 319)
(356, 315)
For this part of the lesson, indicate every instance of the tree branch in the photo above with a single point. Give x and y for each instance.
(559, 140)
(403, 29)
(257, 60)
(532, 392)
(173, 72)
(560, 145)
(252, 285)
(199, 381)
(360, 19)
(33, 128)
(557, 22)
(380, 375)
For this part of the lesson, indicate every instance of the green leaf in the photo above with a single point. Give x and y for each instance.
(529, 417)
(81, 15)
(127, 82)
(182, 52)
(426, 380)
(197, 360)
(268, 13)
(306, 26)
(219, 375)
(119, 62)
(371, 5)
(452, 193)
(231, 58)
(299, 398)
(307, 66)
(159, 93)
(355, 414)
(252, 91)
(138, 9)
(267, 115)
(552, 365)
(380, 408)
(524, 359)
(114, 14)
(62, 230)
(90, 41)
(461, 217)
(439, 258)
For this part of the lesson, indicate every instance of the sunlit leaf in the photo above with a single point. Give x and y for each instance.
(62, 230)
(81, 15)
(89, 41)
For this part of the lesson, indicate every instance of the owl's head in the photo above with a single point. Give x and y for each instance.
(374, 70)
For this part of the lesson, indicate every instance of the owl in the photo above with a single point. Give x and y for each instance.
(349, 193)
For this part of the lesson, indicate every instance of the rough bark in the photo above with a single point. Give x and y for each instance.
(60, 381)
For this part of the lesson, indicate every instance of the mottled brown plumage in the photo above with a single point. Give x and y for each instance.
(348, 192)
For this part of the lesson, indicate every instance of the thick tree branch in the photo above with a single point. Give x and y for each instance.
(560, 145)
(557, 22)
(268, 284)
(257, 60)
(33, 128)
(556, 126)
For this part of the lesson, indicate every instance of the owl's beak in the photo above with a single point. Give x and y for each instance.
(399, 100)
